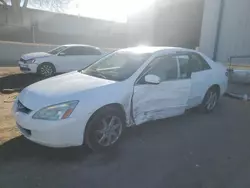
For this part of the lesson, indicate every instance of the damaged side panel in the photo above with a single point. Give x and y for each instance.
(167, 99)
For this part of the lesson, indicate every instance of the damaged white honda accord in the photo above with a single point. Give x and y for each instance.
(128, 87)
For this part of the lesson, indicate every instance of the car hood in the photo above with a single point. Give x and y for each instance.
(66, 87)
(35, 55)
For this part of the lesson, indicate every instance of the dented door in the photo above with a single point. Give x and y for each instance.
(166, 99)
(152, 102)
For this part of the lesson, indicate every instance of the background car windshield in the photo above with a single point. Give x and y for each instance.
(118, 66)
(57, 50)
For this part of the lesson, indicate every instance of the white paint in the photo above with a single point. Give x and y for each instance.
(200, 82)
(35, 55)
(62, 63)
(149, 102)
(167, 99)
(59, 89)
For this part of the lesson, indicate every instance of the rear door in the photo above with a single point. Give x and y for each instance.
(88, 55)
(68, 59)
(166, 99)
(201, 78)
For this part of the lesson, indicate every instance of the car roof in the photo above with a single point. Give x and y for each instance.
(156, 50)
(82, 45)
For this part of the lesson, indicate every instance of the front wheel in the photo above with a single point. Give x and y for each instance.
(104, 130)
(46, 70)
(210, 100)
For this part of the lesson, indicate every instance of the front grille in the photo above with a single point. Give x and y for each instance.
(22, 60)
(24, 69)
(22, 108)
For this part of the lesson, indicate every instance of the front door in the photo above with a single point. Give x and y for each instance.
(166, 99)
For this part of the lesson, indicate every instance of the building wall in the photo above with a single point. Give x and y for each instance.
(233, 36)
(168, 23)
(178, 23)
(10, 52)
(209, 27)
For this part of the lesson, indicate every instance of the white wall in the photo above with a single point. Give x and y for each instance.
(209, 26)
(10, 52)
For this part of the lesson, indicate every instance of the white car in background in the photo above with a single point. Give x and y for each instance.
(128, 87)
(61, 59)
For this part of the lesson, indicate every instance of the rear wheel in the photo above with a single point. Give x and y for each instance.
(104, 129)
(210, 100)
(46, 69)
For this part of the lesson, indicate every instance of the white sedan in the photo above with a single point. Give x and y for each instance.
(61, 59)
(128, 87)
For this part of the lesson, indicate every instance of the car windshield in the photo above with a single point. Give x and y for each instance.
(117, 66)
(57, 50)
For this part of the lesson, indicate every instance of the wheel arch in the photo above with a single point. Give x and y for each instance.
(117, 106)
(45, 62)
(213, 86)
(216, 87)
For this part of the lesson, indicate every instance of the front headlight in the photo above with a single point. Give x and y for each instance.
(31, 61)
(56, 112)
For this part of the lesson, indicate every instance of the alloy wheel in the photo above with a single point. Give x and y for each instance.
(212, 99)
(46, 70)
(110, 130)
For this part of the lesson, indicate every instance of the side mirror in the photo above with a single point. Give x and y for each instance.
(61, 54)
(152, 79)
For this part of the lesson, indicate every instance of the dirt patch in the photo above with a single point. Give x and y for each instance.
(5, 71)
(11, 78)
(8, 128)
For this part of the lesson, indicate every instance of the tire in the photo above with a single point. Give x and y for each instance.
(210, 100)
(46, 70)
(100, 133)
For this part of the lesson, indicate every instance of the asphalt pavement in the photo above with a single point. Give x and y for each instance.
(191, 151)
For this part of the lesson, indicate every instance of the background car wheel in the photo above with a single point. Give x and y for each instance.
(210, 100)
(46, 69)
(105, 129)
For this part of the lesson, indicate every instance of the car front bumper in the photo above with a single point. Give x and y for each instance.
(28, 68)
(60, 133)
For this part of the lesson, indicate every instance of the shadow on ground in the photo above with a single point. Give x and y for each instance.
(239, 88)
(20, 148)
(18, 81)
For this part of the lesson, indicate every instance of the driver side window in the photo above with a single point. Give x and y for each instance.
(165, 67)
